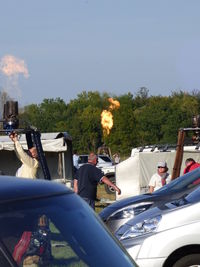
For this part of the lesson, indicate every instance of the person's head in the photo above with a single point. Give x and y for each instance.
(189, 161)
(33, 152)
(162, 167)
(92, 158)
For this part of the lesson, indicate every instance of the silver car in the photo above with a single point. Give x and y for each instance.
(165, 236)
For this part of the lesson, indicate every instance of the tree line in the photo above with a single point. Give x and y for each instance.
(141, 119)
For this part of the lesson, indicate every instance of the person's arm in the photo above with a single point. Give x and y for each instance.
(14, 137)
(151, 189)
(152, 184)
(105, 180)
(24, 157)
(76, 186)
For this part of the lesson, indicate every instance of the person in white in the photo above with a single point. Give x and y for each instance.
(160, 178)
(116, 158)
(30, 163)
(75, 161)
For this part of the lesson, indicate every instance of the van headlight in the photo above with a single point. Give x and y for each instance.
(131, 211)
(144, 227)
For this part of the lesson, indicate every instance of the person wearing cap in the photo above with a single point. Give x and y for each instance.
(87, 178)
(160, 178)
(29, 160)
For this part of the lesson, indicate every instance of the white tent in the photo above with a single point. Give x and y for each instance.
(133, 174)
(58, 152)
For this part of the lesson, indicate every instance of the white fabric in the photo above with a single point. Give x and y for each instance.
(53, 145)
(75, 160)
(133, 174)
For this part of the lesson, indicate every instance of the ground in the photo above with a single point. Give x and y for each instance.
(101, 193)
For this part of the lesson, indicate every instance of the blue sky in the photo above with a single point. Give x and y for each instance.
(113, 46)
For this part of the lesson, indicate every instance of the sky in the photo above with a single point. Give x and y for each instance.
(60, 48)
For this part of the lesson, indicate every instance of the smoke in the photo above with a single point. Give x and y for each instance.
(11, 68)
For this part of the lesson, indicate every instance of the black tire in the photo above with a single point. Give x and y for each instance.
(188, 261)
(109, 189)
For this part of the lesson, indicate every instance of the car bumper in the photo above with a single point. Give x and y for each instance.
(134, 251)
(154, 249)
(156, 262)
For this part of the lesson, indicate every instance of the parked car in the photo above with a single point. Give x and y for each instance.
(121, 211)
(44, 223)
(165, 236)
(105, 163)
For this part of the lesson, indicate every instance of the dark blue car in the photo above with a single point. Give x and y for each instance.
(44, 223)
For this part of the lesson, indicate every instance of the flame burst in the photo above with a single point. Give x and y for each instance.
(107, 117)
(114, 104)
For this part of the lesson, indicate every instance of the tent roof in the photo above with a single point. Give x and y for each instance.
(52, 142)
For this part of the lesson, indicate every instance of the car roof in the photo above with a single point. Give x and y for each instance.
(13, 188)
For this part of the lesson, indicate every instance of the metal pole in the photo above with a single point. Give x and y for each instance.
(41, 156)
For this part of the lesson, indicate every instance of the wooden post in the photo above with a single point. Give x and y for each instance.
(179, 154)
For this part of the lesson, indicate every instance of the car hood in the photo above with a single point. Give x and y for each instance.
(106, 212)
(163, 210)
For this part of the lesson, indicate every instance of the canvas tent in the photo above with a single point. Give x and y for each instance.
(133, 174)
(58, 153)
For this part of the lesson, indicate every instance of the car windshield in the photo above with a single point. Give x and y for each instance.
(194, 196)
(82, 159)
(57, 231)
(188, 180)
(105, 158)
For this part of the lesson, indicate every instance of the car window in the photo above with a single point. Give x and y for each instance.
(56, 232)
(40, 243)
(194, 196)
(82, 159)
(3, 260)
(105, 158)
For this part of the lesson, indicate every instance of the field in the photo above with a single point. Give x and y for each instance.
(101, 194)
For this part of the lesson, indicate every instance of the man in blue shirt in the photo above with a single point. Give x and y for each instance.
(87, 178)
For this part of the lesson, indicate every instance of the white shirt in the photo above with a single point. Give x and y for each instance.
(75, 160)
(156, 180)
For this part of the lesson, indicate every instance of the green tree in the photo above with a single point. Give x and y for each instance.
(47, 116)
(122, 136)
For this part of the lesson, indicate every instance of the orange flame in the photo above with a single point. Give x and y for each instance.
(107, 117)
(106, 121)
(114, 104)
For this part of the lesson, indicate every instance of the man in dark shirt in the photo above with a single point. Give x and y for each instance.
(87, 178)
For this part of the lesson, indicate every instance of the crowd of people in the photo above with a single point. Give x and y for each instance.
(88, 176)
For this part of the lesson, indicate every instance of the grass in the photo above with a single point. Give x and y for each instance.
(101, 193)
